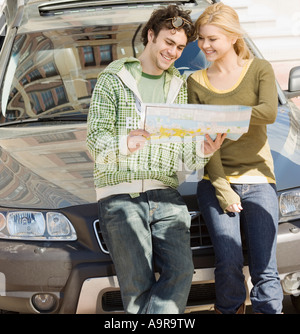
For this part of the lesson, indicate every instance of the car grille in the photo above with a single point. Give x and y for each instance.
(199, 235)
(200, 294)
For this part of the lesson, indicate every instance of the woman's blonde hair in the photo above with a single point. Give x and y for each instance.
(226, 18)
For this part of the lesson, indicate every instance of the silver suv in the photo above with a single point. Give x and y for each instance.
(52, 255)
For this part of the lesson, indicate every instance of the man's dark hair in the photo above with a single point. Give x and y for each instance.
(159, 20)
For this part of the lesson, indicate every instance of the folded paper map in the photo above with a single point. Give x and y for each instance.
(181, 120)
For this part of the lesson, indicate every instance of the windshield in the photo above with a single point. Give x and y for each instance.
(53, 73)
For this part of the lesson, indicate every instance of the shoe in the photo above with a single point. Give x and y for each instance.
(241, 310)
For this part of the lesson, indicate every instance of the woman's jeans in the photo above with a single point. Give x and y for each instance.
(259, 222)
(146, 231)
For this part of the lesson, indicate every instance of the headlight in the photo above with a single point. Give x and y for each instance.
(32, 225)
(289, 205)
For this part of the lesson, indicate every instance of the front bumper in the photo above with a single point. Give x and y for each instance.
(83, 281)
(102, 294)
(288, 256)
(56, 268)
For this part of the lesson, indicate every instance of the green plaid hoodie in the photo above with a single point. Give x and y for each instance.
(114, 112)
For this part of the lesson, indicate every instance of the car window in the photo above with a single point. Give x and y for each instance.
(54, 72)
(191, 60)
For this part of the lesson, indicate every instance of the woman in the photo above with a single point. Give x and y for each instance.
(238, 189)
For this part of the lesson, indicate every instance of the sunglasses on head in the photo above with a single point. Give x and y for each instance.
(178, 22)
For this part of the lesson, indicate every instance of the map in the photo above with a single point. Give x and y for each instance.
(177, 121)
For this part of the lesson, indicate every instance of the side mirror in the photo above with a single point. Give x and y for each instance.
(294, 83)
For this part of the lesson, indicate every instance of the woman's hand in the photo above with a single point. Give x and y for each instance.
(211, 146)
(236, 207)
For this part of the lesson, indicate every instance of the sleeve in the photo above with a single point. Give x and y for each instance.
(265, 111)
(225, 194)
(102, 141)
(193, 156)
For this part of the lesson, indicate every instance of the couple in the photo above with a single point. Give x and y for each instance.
(144, 220)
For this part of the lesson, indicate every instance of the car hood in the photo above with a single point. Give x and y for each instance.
(45, 166)
(284, 139)
(48, 166)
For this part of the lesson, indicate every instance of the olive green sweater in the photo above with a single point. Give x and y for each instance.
(247, 160)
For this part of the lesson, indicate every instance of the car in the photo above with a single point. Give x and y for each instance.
(53, 258)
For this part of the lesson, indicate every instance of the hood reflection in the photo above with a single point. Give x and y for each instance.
(45, 167)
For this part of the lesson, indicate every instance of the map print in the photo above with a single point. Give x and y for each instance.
(180, 120)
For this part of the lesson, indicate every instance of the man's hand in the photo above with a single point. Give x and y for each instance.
(210, 146)
(136, 139)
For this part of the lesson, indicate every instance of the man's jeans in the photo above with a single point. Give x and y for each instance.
(146, 231)
(259, 222)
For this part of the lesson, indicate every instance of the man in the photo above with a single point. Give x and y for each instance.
(144, 220)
